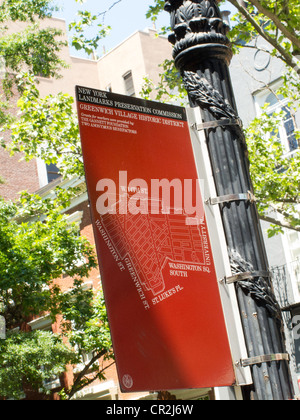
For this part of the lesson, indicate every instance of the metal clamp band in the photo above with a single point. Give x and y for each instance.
(267, 358)
(217, 123)
(247, 276)
(232, 197)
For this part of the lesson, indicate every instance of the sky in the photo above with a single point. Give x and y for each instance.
(125, 18)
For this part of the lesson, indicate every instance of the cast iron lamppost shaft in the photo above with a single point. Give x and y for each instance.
(203, 53)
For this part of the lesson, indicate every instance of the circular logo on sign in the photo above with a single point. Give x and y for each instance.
(127, 381)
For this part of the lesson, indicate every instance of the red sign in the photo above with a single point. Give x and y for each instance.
(152, 240)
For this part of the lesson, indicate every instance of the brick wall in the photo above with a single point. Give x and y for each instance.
(17, 174)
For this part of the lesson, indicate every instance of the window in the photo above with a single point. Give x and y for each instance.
(45, 324)
(103, 391)
(52, 172)
(294, 245)
(2, 328)
(40, 67)
(287, 130)
(129, 86)
(288, 125)
(2, 67)
(46, 173)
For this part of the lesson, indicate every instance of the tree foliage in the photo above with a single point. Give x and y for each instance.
(29, 45)
(33, 254)
(276, 174)
(79, 28)
(275, 21)
(46, 128)
(29, 360)
(86, 325)
(168, 89)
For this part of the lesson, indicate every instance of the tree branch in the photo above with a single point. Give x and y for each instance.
(76, 386)
(277, 21)
(278, 222)
(284, 55)
(109, 9)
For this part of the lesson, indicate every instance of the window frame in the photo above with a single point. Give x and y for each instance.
(129, 91)
(261, 99)
(44, 323)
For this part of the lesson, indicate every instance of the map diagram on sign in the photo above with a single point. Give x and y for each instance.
(149, 240)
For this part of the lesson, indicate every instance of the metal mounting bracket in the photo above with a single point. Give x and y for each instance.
(246, 276)
(267, 358)
(217, 123)
(230, 198)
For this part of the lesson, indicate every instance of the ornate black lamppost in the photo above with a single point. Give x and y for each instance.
(203, 53)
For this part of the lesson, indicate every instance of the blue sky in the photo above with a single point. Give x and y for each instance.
(125, 18)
